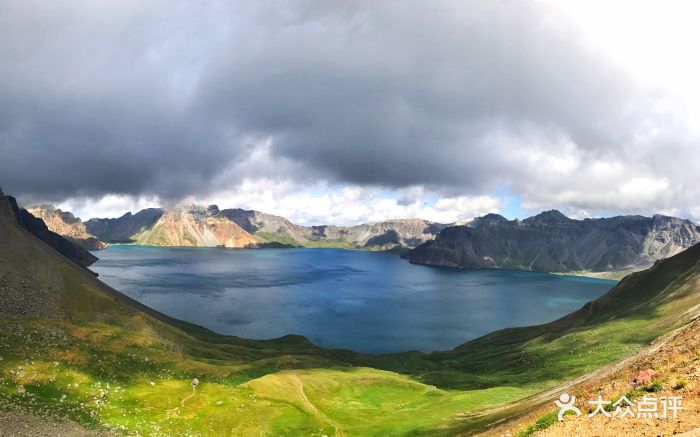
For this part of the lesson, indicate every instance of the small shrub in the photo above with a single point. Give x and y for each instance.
(544, 422)
(633, 394)
(680, 384)
(654, 387)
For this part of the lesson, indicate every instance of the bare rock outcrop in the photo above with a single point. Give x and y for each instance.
(66, 224)
(552, 242)
(196, 226)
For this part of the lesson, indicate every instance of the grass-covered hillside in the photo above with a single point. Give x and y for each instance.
(74, 348)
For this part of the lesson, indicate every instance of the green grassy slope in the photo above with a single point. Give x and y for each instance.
(644, 306)
(111, 363)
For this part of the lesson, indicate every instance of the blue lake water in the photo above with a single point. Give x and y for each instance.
(366, 301)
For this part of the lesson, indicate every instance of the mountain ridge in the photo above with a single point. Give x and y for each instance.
(267, 230)
(552, 242)
(121, 229)
(67, 225)
(192, 225)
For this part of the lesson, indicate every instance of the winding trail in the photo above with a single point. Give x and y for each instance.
(312, 408)
(182, 402)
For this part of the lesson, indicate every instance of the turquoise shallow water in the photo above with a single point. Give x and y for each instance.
(366, 301)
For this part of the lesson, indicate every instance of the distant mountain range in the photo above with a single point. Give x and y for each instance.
(208, 226)
(547, 242)
(552, 242)
(387, 235)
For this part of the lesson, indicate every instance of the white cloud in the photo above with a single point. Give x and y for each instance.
(111, 205)
(310, 205)
(695, 213)
(352, 204)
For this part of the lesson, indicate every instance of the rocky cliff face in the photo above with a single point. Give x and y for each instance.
(124, 229)
(390, 234)
(552, 242)
(160, 227)
(196, 226)
(267, 228)
(13, 214)
(67, 225)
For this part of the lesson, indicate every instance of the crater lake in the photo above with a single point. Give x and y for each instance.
(366, 301)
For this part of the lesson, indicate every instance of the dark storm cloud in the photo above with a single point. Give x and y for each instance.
(89, 105)
(408, 92)
(161, 98)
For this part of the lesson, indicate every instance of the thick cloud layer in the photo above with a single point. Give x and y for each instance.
(178, 99)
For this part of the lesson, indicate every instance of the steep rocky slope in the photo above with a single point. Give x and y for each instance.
(67, 225)
(389, 234)
(124, 228)
(196, 226)
(552, 242)
(266, 227)
(35, 226)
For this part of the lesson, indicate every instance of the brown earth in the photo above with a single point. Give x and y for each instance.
(676, 361)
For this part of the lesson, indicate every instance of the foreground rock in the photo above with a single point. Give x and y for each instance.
(552, 242)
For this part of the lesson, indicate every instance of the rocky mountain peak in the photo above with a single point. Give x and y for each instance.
(196, 210)
(8, 208)
(490, 219)
(660, 220)
(551, 217)
(45, 210)
(622, 243)
(66, 224)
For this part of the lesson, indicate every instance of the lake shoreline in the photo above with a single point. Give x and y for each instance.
(371, 302)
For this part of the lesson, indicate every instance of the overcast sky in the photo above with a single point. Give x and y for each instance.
(344, 112)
